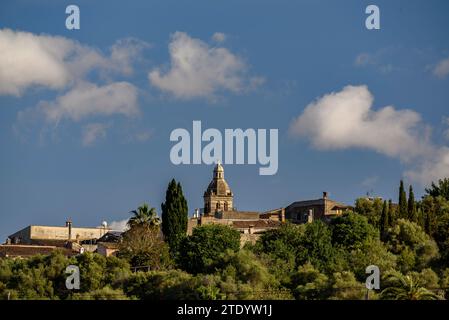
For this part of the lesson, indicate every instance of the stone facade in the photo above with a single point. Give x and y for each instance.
(41, 235)
(218, 209)
(309, 210)
(218, 195)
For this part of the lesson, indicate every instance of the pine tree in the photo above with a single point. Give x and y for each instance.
(411, 206)
(403, 210)
(174, 215)
(384, 219)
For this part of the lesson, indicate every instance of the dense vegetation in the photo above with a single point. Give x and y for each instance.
(409, 242)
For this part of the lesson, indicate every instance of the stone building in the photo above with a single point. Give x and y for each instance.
(219, 209)
(218, 195)
(55, 235)
(308, 210)
(219, 202)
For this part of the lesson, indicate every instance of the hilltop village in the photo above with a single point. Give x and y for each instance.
(218, 209)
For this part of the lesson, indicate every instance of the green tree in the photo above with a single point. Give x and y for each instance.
(403, 209)
(442, 189)
(351, 230)
(174, 215)
(411, 206)
(370, 208)
(344, 286)
(392, 213)
(143, 246)
(415, 248)
(205, 249)
(316, 247)
(371, 252)
(144, 216)
(384, 219)
(310, 284)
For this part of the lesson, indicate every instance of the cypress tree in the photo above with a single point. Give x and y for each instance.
(174, 215)
(421, 218)
(411, 206)
(391, 214)
(403, 210)
(384, 219)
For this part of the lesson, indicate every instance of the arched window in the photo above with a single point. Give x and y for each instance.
(226, 206)
(218, 205)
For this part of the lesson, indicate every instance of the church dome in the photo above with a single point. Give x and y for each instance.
(218, 185)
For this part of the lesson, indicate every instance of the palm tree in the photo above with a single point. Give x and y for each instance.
(402, 287)
(144, 216)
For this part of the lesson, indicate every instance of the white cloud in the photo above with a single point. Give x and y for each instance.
(345, 119)
(55, 62)
(87, 99)
(219, 37)
(441, 70)
(434, 167)
(118, 225)
(198, 70)
(93, 132)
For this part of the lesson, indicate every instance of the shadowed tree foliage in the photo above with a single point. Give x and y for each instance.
(174, 215)
(403, 207)
(411, 206)
(384, 220)
(143, 245)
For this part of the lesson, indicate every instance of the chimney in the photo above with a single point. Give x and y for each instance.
(325, 195)
(310, 216)
(68, 224)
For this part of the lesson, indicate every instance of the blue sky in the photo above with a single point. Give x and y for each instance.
(63, 157)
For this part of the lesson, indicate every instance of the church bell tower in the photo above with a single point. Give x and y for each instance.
(218, 196)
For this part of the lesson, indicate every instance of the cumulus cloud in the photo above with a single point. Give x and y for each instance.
(87, 99)
(441, 70)
(432, 168)
(345, 119)
(55, 62)
(198, 70)
(93, 132)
